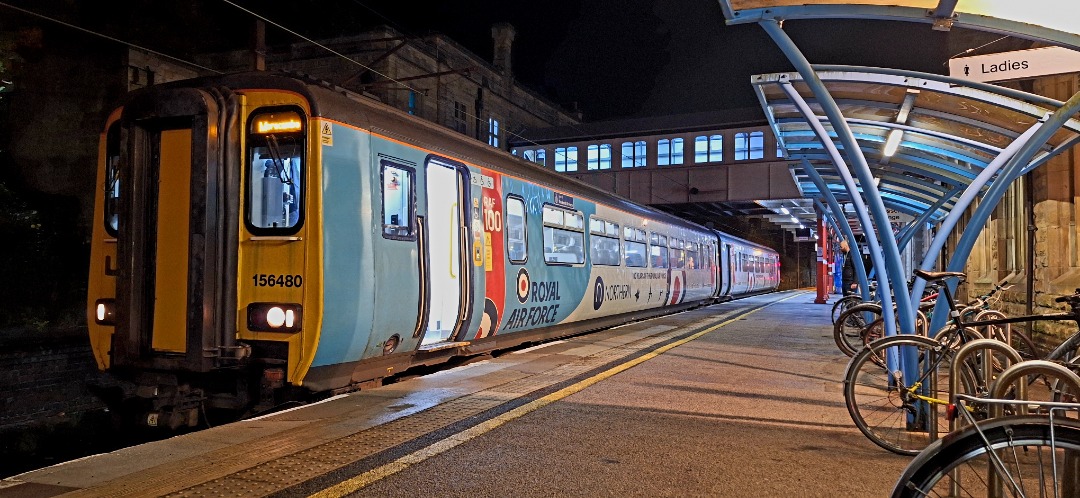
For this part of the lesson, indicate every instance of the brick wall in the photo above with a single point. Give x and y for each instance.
(45, 379)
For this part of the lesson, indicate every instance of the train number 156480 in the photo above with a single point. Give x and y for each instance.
(264, 280)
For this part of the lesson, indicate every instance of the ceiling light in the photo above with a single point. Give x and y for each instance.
(892, 143)
(783, 210)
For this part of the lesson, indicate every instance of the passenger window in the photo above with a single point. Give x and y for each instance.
(515, 230)
(275, 172)
(397, 206)
(112, 179)
(693, 260)
(604, 246)
(678, 258)
(564, 237)
(658, 251)
(636, 252)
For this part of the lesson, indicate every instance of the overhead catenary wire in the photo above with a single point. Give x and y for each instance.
(292, 32)
(107, 37)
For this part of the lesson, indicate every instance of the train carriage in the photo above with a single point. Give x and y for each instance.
(261, 235)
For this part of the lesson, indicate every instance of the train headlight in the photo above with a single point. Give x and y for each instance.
(274, 317)
(105, 312)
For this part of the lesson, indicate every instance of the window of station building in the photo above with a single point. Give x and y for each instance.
(658, 251)
(566, 159)
(633, 154)
(459, 119)
(275, 158)
(709, 149)
(599, 157)
(604, 242)
(527, 154)
(564, 236)
(636, 255)
(541, 157)
(398, 201)
(669, 152)
(516, 242)
(749, 145)
(493, 132)
(779, 150)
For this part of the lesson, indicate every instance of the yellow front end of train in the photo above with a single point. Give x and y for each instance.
(205, 259)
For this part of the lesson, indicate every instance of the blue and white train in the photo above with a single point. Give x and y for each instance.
(261, 235)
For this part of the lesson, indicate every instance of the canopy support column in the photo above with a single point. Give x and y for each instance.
(887, 257)
(845, 228)
(822, 260)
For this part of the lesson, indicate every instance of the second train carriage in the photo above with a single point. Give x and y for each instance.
(260, 232)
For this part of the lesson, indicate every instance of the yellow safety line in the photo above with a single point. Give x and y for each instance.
(378, 473)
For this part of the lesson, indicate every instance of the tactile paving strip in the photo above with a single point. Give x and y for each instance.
(298, 455)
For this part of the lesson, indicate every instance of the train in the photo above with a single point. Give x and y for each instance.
(263, 236)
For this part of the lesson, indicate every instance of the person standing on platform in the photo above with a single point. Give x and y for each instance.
(847, 272)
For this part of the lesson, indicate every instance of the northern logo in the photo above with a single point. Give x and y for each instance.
(598, 294)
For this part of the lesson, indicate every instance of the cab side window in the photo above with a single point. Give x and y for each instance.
(397, 205)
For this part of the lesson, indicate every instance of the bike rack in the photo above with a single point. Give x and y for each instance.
(975, 347)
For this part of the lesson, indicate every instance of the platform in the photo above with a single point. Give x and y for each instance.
(736, 399)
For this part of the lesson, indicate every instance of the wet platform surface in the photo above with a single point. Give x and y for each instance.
(736, 399)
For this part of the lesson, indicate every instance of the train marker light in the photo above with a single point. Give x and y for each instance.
(105, 312)
(274, 317)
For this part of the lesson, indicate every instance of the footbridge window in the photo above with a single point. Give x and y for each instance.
(749, 145)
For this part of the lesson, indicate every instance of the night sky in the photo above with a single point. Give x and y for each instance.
(610, 58)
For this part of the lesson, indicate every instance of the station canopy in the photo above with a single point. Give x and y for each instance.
(942, 134)
(944, 131)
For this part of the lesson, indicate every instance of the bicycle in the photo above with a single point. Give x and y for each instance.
(903, 415)
(844, 303)
(1020, 455)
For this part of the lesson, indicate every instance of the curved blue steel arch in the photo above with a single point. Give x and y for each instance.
(1009, 173)
(1025, 30)
(889, 252)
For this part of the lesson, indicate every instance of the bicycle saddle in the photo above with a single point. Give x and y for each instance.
(934, 276)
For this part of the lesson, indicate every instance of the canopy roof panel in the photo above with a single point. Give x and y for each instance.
(1048, 21)
(948, 132)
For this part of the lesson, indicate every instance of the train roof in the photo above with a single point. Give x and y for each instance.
(726, 237)
(333, 102)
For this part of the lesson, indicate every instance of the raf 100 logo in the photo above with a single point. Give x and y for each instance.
(536, 292)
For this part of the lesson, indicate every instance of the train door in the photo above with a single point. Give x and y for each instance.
(447, 281)
(727, 269)
(173, 282)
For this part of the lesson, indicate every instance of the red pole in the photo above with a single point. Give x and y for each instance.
(822, 261)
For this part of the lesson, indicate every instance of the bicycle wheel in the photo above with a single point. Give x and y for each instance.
(848, 329)
(1032, 463)
(882, 402)
(841, 305)
(876, 329)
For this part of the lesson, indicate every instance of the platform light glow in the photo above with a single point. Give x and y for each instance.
(101, 312)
